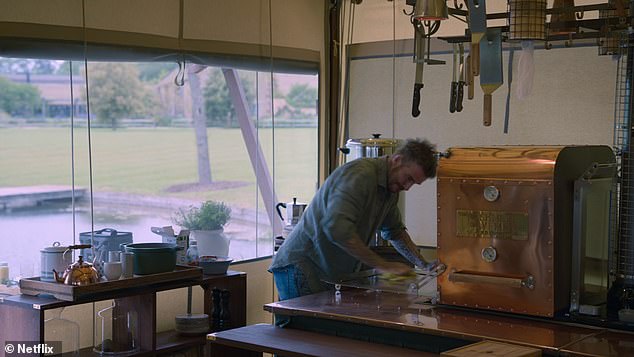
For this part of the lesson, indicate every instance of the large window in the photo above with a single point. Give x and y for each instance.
(139, 156)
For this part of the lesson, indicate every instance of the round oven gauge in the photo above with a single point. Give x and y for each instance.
(491, 193)
(489, 254)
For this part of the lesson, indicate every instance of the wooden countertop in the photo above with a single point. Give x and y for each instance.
(403, 312)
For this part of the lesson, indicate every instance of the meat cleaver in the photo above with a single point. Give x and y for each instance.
(491, 77)
(478, 27)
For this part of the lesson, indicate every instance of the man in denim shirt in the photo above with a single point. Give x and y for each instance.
(356, 200)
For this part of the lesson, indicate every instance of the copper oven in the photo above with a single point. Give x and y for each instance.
(505, 225)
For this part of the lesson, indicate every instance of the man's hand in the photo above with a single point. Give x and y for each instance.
(428, 266)
(395, 268)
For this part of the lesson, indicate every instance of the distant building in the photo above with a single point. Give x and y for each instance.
(55, 92)
(176, 100)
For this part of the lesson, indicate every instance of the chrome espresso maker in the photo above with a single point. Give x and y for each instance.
(294, 211)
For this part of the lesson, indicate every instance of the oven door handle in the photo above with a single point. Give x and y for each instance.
(461, 277)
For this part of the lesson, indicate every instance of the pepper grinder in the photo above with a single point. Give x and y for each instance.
(225, 314)
(215, 312)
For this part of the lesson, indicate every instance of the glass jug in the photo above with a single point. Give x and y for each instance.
(116, 331)
(58, 329)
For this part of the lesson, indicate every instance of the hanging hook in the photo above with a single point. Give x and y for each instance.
(432, 27)
(179, 80)
(547, 44)
(603, 31)
(579, 14)
(568, 42)
(456, 6)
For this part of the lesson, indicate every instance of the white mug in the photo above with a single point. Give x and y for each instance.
(112, 270)
(127, 264)
(113, 256)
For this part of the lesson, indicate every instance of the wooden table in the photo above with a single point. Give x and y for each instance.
(253, 340)
(389, 317)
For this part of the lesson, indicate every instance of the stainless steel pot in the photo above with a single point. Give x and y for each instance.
(56, 258)
(369, 147)
(372, 147)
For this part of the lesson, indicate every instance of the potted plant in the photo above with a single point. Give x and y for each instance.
(206, 225)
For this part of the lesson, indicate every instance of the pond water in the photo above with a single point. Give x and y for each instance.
(24, 232)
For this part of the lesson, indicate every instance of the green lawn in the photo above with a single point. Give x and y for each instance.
(149, 161)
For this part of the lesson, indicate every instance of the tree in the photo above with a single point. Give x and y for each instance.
(200, 125)
(116, 92)
(64, 68)
(13, 65)
(154, 71)
(27, 66)
(19, 99)
(43, 67)
(218, 106)
(302, 96)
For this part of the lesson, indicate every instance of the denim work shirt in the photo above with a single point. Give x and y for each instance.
(354, 198)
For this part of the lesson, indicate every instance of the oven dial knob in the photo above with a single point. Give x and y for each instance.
(489, 254)
(491, 193)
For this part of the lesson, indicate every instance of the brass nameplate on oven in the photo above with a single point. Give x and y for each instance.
(491, 224)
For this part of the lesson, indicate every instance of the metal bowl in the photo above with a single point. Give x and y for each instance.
(214, 265)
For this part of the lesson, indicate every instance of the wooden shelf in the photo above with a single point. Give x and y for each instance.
(23, 315)
(166, 342)
(88, 352)
(171, 341)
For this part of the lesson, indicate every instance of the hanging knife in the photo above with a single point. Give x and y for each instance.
(454, 82)
(461, 78)
(419, 59)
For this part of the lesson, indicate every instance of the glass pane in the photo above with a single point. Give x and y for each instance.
(146, 156)
(36, 143)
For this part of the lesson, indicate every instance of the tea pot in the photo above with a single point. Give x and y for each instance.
(294, 211)
(78, 273)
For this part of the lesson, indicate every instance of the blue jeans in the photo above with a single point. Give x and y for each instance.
(290, 282)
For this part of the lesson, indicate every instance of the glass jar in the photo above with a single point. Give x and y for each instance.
(192, 253)
(58, 329)
(4, 273)
(116, 331)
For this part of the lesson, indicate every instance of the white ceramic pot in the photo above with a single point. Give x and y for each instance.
(56, 257)
(211, 242)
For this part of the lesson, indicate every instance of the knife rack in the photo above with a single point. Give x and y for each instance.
(610, 17)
